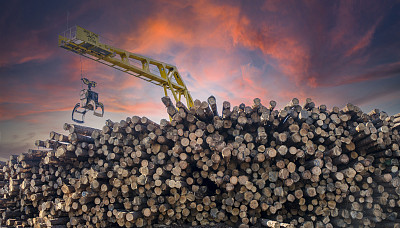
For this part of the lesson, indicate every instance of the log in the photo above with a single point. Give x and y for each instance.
(302, 165)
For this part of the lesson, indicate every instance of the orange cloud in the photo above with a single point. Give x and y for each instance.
(205, 40)
(193, 42)
(203, 24)
(292, 57)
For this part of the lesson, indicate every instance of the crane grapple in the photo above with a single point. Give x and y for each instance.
(89, 101)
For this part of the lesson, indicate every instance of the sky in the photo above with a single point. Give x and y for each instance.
(335, 52)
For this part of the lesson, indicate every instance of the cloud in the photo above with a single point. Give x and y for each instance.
(382, 95)
(378, 72)
(22, 51)
(364, 41)
(14, 111)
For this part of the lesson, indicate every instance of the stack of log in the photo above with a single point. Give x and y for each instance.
(301, 166)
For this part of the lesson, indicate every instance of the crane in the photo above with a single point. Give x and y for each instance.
(86, 43)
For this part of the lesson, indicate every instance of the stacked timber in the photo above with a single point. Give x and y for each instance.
(301, 166)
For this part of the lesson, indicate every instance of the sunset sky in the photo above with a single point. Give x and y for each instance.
(334, 52)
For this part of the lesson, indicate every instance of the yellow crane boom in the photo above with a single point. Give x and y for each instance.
(87, 44)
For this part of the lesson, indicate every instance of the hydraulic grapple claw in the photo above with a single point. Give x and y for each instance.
(78, 115)
(95, 111)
